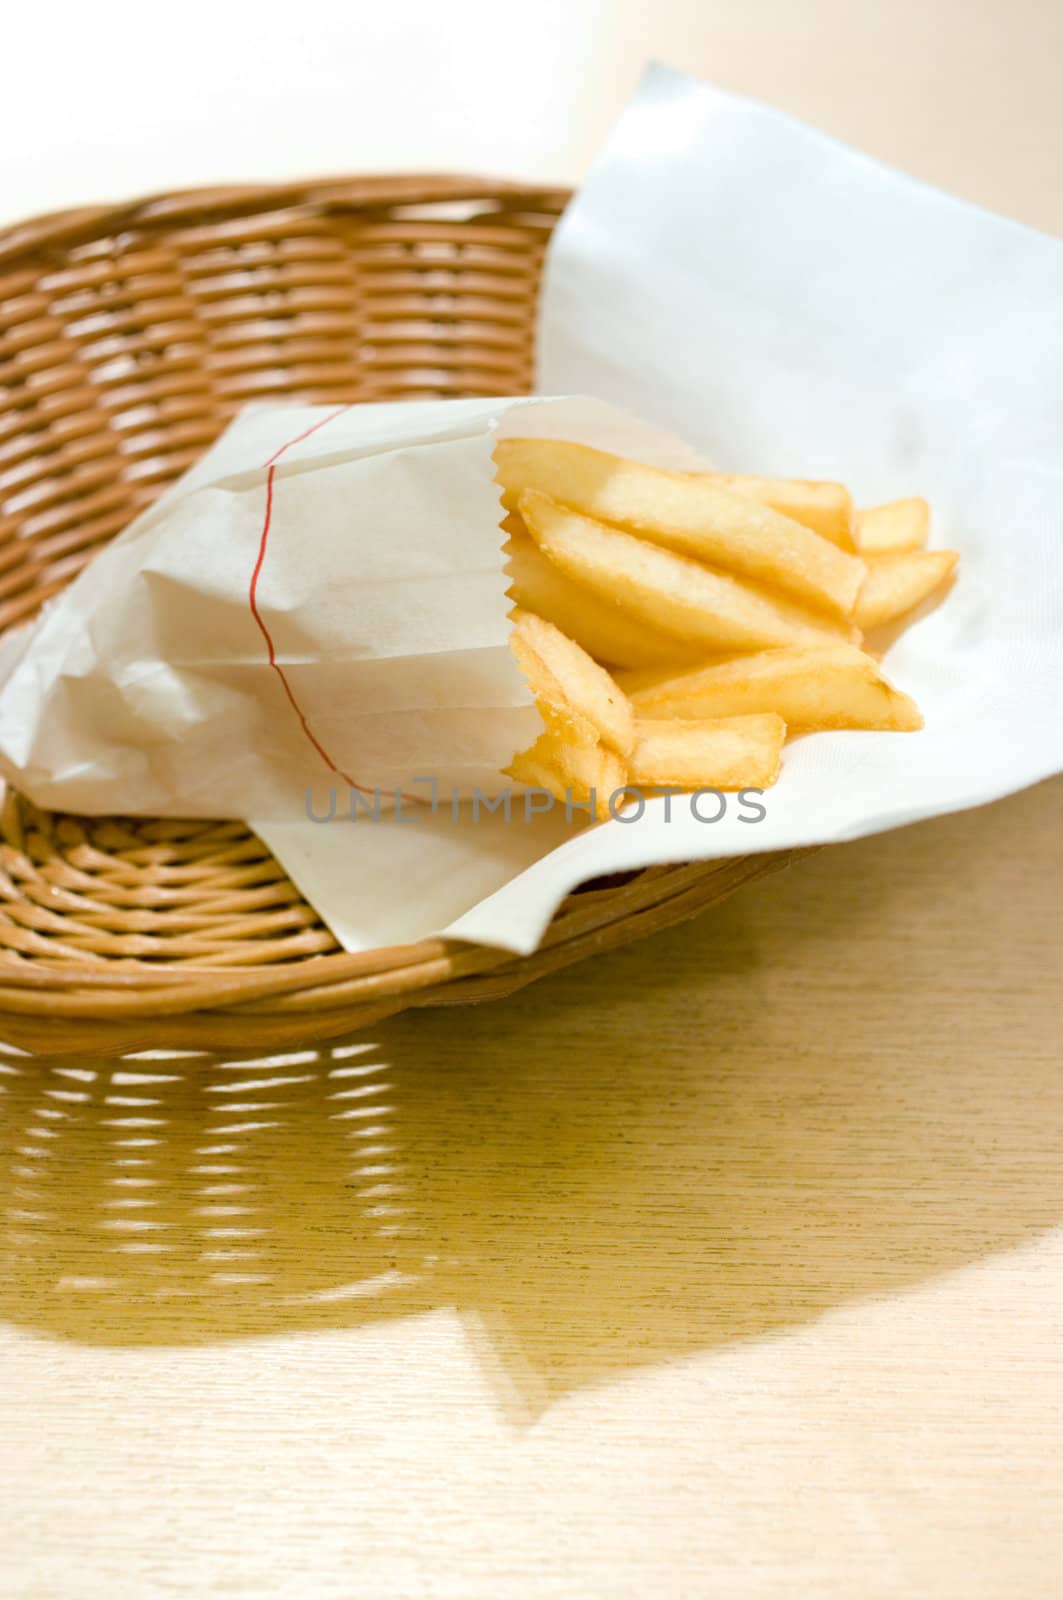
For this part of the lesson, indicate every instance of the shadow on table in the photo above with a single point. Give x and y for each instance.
(755, 1118)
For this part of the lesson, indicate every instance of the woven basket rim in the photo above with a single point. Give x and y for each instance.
(36, 235)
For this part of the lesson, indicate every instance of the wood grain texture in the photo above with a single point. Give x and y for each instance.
(728, 1264)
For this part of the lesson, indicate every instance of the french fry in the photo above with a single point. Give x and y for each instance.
(539, 767)
(896, 584)
(597, 624)
(588, 769)
(669, 591)
(900, 525)
(635, 680)
(723, 753)
(692, 513)
(826, 508)
(572, 770)
(834, 687)
(563, 677)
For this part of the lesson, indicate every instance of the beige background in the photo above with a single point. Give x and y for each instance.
(102, 101)
(731, 1264)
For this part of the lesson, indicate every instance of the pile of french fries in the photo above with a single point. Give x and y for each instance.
(675, 628)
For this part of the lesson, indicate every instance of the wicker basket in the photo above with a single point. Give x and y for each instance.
(129, 336)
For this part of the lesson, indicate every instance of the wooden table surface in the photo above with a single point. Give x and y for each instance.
(729, 1265)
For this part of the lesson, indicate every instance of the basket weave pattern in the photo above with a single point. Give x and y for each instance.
(129, 337)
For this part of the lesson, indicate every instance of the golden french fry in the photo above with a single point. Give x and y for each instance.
(670, 591)
(538, 767)
(691, 513)
(837, 686)
(721, 753)
(900, 525)
(896, 584)
(592, 770)
(567, 724)
(563, 677)
(599, 625)
(826, 508)
(635, 680)
(571, 769)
